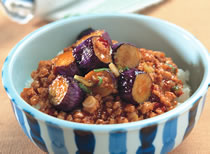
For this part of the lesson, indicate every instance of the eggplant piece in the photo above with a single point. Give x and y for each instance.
(87, 33)
(95, 52)
(104, 82)
(65, 64)
(65, 93)
(126, 55)
(134, 86)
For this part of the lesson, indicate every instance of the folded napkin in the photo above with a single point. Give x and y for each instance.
(22, 11)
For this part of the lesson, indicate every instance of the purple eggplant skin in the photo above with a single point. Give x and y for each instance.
(106, 36)
(73, 97)
(90, 30)
(70, 70)
(118, 57)
(116, 46)
(91, 33)
(85, 32)
(125, 84)
(114, 49)
(65, 64)
(85, 56)
(114, 78)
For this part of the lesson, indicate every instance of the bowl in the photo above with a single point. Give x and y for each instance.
(159, 134)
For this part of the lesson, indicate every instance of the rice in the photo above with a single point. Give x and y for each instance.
(184, 77)
(60, 52)
(28, 83)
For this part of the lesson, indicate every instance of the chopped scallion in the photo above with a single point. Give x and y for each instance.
(173, 69)
(101, 69)
(84, 88)
(100, 80)
(126, 68)
(175, 88)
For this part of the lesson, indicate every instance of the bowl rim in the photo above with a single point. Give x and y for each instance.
(21, 104)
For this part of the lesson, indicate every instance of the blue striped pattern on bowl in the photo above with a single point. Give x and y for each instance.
(157, 138)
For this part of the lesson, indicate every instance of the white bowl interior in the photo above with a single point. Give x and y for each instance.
(145, 32)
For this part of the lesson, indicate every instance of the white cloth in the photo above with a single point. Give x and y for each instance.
(23, 11)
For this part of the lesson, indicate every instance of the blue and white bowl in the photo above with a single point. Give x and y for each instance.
(157, 135)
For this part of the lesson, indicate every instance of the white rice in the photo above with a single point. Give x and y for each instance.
(28, 83)
(184, 77)
(60, 52)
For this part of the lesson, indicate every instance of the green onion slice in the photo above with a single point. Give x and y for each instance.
(84, 88)
(175, 88)
(173, 69)
(101, 69)
(100, 80)
(121, 69)
(126, 68)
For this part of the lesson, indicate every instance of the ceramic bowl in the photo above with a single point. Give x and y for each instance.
(160, 134)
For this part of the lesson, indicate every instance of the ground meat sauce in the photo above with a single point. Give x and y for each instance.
(111, 109)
